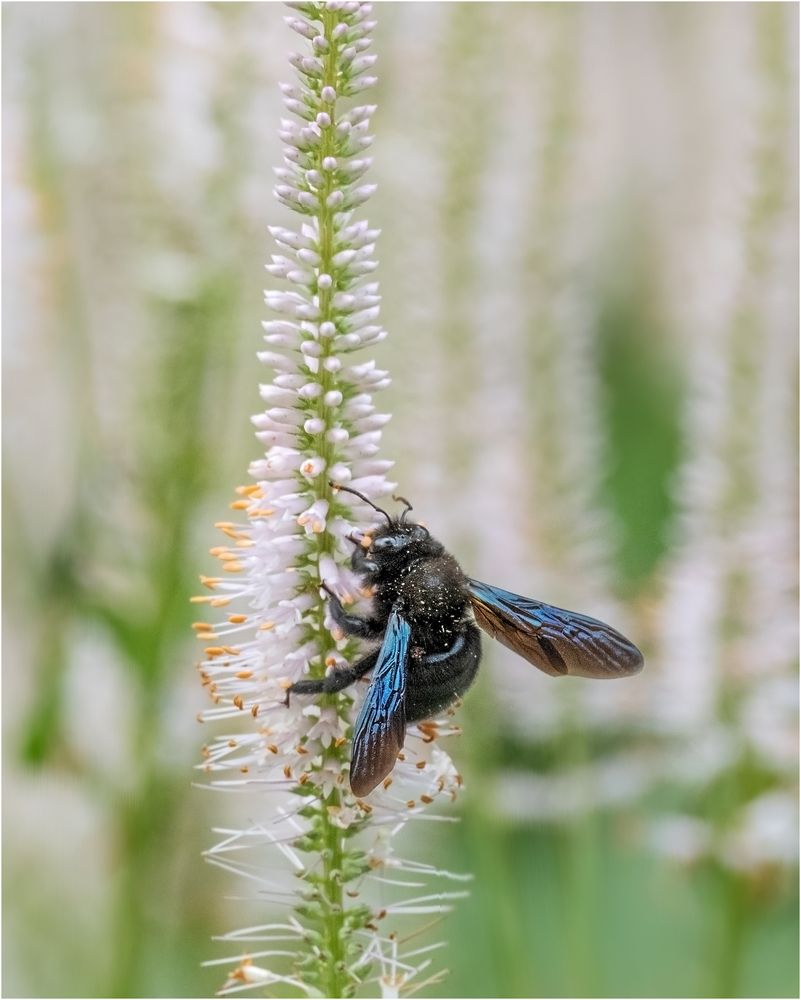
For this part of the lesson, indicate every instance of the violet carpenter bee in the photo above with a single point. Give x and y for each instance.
(425, 623)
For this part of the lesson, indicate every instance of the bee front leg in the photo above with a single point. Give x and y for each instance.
(364, 628)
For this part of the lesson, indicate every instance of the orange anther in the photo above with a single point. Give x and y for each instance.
(429, 731)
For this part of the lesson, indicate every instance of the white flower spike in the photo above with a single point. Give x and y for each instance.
(319, 426)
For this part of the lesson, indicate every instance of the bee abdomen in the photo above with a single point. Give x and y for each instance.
(437, 680)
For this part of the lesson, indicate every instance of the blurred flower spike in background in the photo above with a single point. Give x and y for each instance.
(319, 427)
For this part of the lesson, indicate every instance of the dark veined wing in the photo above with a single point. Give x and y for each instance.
(381, 726)
(561, 643)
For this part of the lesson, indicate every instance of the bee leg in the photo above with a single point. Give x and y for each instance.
(360, 562)
(364, 628)
(336, 680)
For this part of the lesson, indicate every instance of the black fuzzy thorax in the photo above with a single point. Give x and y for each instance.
(431, 594)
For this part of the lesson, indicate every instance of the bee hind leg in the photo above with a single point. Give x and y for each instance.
(335, 680)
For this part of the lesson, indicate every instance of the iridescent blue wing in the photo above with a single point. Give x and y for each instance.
(561, 643)
(381, 726)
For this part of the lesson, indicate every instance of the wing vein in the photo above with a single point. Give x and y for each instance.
(381, 725)
(558, 642)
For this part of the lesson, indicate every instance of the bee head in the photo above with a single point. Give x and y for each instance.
(399, 535)
(393, 545)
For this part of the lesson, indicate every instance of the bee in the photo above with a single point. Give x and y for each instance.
(425, 624)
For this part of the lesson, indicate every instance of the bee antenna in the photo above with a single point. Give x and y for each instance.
(408, 507)
(347, 489)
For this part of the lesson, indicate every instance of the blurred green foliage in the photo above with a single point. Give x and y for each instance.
(645, 931)
(644, 395)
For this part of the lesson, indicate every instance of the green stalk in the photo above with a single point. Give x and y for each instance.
(336, 979)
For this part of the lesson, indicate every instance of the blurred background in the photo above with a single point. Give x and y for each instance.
(589, 268)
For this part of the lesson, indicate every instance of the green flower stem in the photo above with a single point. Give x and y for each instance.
(335, 978)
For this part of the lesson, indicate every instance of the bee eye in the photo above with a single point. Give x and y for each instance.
(388, 543)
